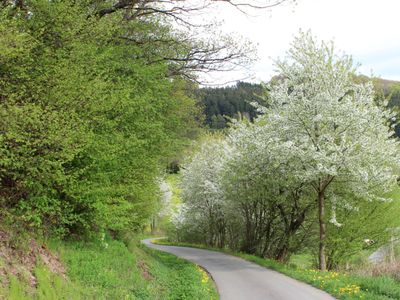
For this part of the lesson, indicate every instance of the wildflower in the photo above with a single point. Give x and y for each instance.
(204, 275)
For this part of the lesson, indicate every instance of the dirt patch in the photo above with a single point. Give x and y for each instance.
(22, 263)
(144, 270)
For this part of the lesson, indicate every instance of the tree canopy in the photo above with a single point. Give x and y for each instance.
(87, 117)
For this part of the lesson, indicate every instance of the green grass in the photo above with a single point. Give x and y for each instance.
(302, 261)
(341, 285)
(49, 286)
(113, 270)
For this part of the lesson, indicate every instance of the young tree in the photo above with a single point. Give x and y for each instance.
(202, 191)
(331, 130)
(272, 203)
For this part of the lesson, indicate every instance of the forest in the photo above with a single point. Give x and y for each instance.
(222, 104)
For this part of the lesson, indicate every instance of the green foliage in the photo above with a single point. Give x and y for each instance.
(170, 204)
(85, 119)
(223, 103)
(364, 228)
(173, 181)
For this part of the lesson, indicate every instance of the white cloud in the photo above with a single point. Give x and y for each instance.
(366, 29)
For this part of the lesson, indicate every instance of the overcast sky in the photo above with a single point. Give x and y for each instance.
(366, 29)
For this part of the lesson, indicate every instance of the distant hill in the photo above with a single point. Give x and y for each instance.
(224, 103)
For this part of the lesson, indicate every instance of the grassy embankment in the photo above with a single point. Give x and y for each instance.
(113, 270)
(343, 286)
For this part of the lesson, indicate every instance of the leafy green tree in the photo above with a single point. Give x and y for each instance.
(86, 118)
(365, 226)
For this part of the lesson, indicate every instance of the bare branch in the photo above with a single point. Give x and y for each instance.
(136, 5)
(189, 48)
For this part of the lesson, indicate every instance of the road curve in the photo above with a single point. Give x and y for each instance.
(238, 279)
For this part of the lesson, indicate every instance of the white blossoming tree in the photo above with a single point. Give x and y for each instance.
(202, 192)
(261, 190)
(322, 143)
(330, 129)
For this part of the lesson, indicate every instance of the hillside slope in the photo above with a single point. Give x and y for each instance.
(109, 269)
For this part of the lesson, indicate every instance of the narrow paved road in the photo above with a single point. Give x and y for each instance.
(237, 279)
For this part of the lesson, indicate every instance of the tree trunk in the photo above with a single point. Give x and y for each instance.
(282, 254)
(322, 230)
(153, 225)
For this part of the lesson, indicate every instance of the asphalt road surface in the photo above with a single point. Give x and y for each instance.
(237, 279)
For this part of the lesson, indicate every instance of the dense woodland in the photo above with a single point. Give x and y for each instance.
(96, 97)
(232, 102)
(222, 104)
